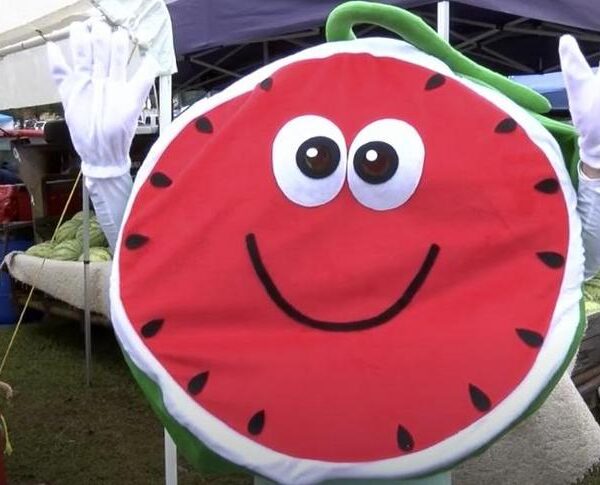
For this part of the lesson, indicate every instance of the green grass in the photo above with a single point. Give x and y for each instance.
(591, 478)
(65, 433)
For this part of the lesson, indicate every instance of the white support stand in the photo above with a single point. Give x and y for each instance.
(170, 460)
(87, 320)
(443, 20)
(165, 116)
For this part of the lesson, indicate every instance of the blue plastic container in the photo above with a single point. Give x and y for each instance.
(8, 312)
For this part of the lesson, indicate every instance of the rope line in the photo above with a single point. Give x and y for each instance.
(28, 300)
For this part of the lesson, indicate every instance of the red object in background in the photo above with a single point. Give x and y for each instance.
(22, 133)
(7, 204)
(23, 204)
(56, 196)
(15, 202)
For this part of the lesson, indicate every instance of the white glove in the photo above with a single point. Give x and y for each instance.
(583, 91)
(101, 106)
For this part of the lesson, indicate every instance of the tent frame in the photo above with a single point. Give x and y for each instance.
(479, 45)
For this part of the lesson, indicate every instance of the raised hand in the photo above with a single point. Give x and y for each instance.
(583, 91)
(101, 105)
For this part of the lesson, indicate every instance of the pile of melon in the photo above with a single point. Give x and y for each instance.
(67, 244)
(591, 295)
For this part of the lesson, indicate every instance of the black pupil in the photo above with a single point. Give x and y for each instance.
(318, 157)
(376, 162)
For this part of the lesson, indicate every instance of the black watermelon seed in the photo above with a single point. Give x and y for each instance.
(136, 241)
(551, 259)
(151, 328)
(204, 125)
(435, 81)
(531, 338)
(160, 180)
(266, 84)
(404, 439)
(479, 398)
(197, 383)
(507, 125)
(547, 186)
(256, 423)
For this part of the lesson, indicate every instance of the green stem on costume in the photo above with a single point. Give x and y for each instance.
(417, 32)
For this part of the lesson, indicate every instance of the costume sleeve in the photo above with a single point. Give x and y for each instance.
(110, 196)
(588, 206)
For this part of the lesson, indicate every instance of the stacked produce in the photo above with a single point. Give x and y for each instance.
(67, 244)
(591, 294)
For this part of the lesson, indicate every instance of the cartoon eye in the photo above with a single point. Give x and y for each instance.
(309, 160)
(386, 163)
(376, 162)
(318, 157)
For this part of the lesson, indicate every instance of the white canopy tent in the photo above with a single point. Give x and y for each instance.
(24, 76)
(26, 26)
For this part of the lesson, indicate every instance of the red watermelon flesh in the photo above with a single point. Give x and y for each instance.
(485, 234)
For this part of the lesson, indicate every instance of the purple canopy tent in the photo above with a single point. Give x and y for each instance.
(219, 41)
(202, 24)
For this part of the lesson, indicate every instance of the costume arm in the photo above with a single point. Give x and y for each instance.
(588, 206)
(583, 91)
(101, 109)
(110, 196)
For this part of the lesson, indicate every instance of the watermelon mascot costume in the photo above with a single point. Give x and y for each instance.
(362, 261)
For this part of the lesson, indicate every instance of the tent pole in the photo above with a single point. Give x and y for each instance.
(170, 460)
(165, 104)
(443, 20)
(35, 42)
(87, 325)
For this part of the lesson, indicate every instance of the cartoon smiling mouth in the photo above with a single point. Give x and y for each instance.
(385, 316)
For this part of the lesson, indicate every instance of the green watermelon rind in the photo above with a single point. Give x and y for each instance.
(66, 251)
(193, 450)
(96, 235)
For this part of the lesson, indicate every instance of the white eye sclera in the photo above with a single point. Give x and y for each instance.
(309, 160)
(385, 164)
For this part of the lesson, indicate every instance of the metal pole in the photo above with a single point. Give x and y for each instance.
(165, 116)
(443, 20)
(87, 320)
(34, 42)
(170, 460)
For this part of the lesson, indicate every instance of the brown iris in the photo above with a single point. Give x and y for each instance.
(376, 162)
(318, 157)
